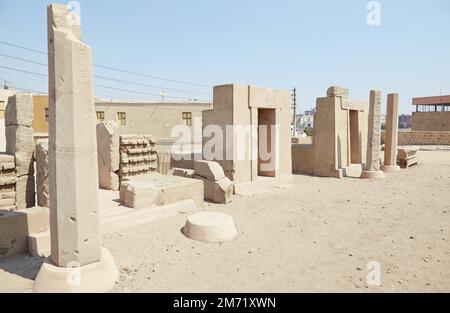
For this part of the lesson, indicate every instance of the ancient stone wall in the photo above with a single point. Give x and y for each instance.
(19, 142)
(138, 155)
(7, 183)
(422, 138)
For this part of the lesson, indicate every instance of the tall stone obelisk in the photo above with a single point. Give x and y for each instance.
(78, 263)
(391, 138)
(374, 138)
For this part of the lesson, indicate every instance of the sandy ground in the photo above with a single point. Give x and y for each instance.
(315, 235)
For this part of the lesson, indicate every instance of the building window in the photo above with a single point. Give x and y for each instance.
(46, 114)
(2, 109)
(100, 116)
(122, 118)
(187, 118)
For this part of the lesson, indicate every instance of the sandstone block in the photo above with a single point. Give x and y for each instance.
(335, 91)
(42, 184)
(209, 170)
(220, 191)
(19, 110)
(25, 163)
(18, 139)
(108, 150)
(25, 193)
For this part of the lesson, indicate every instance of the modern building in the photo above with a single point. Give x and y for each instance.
(432, 114)
(306, 120)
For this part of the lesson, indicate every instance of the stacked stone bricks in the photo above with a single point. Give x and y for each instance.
(19, 142)
(137, 155)
(7, 183)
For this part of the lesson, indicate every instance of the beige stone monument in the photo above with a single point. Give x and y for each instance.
(19, 142)
(42, 185)
(108, 149)
(217, 187)
(372, 169)
(391, 139)
(210, 227)
(339, 145)
(77, 263)
(242, 112)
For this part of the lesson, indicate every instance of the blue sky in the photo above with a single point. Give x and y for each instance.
(310, 45)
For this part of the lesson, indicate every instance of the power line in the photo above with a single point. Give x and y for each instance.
(110, 79)
(21, 59)
(146, 85)
(21, 47)
(117, 69)
(23, 71)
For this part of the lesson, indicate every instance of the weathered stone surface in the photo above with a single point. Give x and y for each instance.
(335, 91)
(25, 163)
(25, 192)
(390, 154)
(210, 227)
(19, 110)
(42, 184)
(138, 194)
(157, 189)
(73, 167)
(16, 226)
(137, 156)
(220, 191)
(164, 163)
(374, 132)
(108, 148)
(183, 172)
(209, 169)
(18, 139)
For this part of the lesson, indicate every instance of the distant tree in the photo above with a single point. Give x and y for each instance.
(309, 131)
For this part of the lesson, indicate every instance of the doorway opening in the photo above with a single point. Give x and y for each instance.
(355, 149)
(266, 142)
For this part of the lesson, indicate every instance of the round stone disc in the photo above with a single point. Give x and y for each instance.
(210, 227)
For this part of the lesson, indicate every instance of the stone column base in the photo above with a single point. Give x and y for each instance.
(390, 168)
(372, 175)
(92, 278)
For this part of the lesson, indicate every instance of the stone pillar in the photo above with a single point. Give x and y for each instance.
(42, 186)
(374, 138)
(20, 143)
(391, 138)
(73, 169)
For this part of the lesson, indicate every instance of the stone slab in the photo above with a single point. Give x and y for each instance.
(209, 170)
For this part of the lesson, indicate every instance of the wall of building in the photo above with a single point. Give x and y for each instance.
(431, 121)
(406, 138)
(40, 107)
(303, 159)
(240, 106)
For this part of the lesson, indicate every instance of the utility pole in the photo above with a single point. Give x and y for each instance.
(294, 98)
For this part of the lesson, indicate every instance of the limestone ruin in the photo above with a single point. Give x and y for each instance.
(245, 111)
(137, 156)
(339, 145)
(108, 149)
(19, 142)
(73, 175)
(391, 138)
(372, 167)
(217, 187)
(7, 183)
(42, 184)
